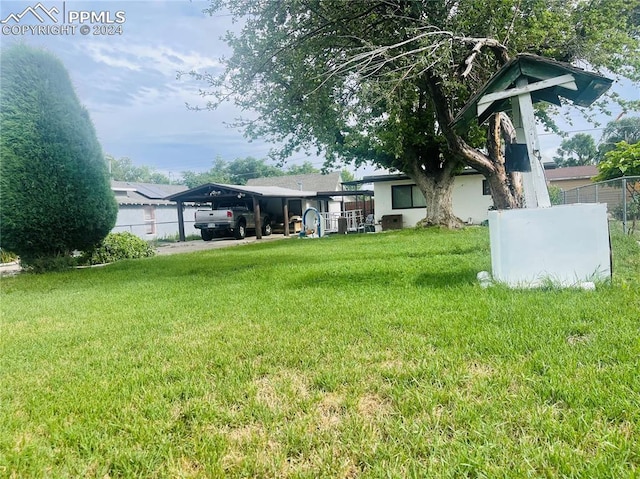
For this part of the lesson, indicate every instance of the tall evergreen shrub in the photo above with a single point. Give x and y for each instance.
(55, 195)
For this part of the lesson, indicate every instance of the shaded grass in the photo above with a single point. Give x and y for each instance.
(357, 356)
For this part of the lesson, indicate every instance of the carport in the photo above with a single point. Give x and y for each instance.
(211, 192)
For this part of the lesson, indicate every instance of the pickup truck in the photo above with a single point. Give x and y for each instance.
(229, 219)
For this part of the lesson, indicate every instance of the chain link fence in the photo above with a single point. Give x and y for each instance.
(621, 195)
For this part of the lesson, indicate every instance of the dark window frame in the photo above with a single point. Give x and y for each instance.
(394, 205)
(486, 191)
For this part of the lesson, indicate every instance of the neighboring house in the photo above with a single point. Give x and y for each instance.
(143, 211)
(308, 182)
(398, 195)
(571, 176)
(577, 186)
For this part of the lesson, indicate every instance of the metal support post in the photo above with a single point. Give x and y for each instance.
(624, 205)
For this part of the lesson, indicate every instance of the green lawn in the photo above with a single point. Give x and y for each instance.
(354, 356)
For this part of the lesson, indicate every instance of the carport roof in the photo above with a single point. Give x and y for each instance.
(210, 191)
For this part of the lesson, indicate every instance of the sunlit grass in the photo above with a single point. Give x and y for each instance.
(359, 356)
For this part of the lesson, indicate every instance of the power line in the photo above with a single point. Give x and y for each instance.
(572, 131)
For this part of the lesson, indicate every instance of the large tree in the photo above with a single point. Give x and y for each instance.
(578, 150)
(54, 183)
(625, 129)
(380, 80)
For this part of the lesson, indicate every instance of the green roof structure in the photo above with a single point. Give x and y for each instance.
(548, 81)
(516, 87)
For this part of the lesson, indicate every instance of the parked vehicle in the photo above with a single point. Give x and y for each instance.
(234, 219)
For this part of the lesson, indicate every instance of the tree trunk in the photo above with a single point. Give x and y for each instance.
(506, 189)
(438, 192)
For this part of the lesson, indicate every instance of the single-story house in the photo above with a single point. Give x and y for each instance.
(397, 194)
(578, 187)
(571, 176)
(143, 210)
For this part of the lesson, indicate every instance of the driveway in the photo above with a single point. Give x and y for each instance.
(199, 245)
(8, 269)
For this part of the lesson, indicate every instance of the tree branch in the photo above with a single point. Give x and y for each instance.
(499, 50)
(374, 59)
(457, 145)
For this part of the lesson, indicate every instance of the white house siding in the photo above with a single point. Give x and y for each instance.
(382, 194)
(335, 207)
(163, 223)
(469, 204)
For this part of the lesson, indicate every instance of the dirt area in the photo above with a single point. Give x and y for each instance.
(8, 269)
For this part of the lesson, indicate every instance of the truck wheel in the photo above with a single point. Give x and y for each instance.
(207, 235)
(241, 230)
(266, 229)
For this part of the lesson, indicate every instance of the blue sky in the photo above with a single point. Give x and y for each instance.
(128, 83)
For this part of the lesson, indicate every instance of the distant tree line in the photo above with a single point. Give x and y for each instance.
(581, 148)
(241, 170)
(236, 172)
(123, 169)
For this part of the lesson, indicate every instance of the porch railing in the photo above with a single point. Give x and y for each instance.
(330, 220)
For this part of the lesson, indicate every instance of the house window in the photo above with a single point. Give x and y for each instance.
(150, 220)
(486, 191)
(407, 196)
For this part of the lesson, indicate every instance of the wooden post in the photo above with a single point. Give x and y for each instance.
(285, 213)
(180, 221)
(536, 194)
(257, 217)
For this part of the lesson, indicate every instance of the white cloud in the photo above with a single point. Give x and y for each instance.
(128, 83)
(146, 56)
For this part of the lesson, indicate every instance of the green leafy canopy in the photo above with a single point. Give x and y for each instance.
(578, 150)
(306, 66)
(623, 161)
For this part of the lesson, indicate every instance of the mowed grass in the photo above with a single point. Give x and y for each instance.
(357, 356)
